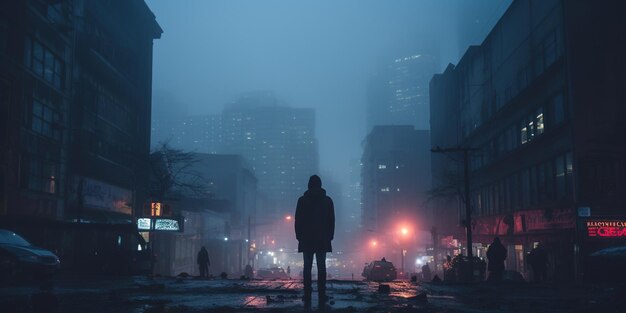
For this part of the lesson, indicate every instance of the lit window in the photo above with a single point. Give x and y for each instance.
(382, 166)
(540, 124)
(524, 133)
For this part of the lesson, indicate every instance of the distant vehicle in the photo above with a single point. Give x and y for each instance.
(380, 271)
(271, 273)
(19, 257)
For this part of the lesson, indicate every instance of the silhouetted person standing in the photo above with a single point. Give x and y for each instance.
(496, 254)
(538, 259)
(315, 229)
(203, 262)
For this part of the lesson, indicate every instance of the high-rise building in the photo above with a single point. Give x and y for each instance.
(542, 100)
(352, 202)
(398, 94)
(195, 133)
(395, 174)
(396, 179)
(75, 93)
(278, 141)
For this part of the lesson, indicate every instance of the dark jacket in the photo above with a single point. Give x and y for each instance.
(203, 257)
(538, 258)
(496, 253)
(315, 221)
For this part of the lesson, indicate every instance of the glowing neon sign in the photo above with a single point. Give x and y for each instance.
(158, 224)
(606, 228)
(144, 223)
(166, 224)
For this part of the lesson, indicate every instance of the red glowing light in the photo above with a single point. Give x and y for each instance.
(606, 229)
(288, 217)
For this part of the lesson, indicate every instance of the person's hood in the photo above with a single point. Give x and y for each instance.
(315, 193)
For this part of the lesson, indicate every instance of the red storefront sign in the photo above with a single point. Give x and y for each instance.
(606, 228)
(525, 221)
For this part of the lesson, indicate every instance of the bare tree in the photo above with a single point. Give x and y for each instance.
(172, 174)
(450, 186)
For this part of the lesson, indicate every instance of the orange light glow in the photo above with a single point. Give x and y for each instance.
(404, 231)
(288, 217)
(374, 243)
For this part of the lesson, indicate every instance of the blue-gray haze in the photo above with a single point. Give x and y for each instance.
(316, 54)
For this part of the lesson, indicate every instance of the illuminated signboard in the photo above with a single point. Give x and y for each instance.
(144, 223)
(158, 224)
(166, 224)
(606, 228)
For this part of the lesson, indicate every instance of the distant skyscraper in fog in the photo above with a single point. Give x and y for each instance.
(197, 133)
(278, 141)
(398, 94)
(395, 174)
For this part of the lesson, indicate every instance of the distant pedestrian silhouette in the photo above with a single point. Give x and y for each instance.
(496, 254)
(538, 259)
(426, 273)
(315, 229)
(249, 272)
(203, 262)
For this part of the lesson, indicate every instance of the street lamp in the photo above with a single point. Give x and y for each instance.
(404, 231)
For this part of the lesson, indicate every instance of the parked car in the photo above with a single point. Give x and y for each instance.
(19, 257)
(271, 273)
(380, 271)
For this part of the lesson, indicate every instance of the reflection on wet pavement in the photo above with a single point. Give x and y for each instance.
(141, 294)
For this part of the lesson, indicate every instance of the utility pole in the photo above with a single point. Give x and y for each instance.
(468, 208)
(249, 240)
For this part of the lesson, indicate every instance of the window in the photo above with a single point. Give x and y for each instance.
(569, 177)
(531, 128)
(539, 121)
(41, 175)
(45, 120)
(382, 166)
(560, 176)
(525, 188)
(44, 63)
(558, 109)
(524, 132)
(532, 185)
(384, 189)
(550, 49)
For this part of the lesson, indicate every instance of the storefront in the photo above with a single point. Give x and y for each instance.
(521, 231)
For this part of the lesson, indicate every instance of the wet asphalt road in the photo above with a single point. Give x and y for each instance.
(143, 295)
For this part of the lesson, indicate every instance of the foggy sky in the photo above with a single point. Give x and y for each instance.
(316, 54)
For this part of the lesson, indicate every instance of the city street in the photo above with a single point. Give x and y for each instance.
(140, 294)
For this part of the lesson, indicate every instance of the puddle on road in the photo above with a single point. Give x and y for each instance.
(255, 301)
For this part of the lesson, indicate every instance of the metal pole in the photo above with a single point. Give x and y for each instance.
(249, 243)
(468, 216)
(468, 208)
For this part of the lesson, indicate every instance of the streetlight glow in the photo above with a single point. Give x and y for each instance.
(404, 231)
(288, 217)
